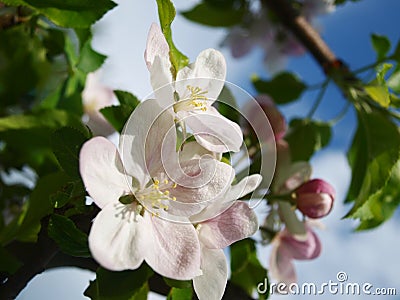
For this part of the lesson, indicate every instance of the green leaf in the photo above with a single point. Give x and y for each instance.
(166, 14)
(89, 59)
(8, 262)
(283, 88)
(179, 284)
(66, 144)
(381, 45)
(26, 226)
(61, 197)
(216, 16)
(68, 237)
(306, 137)
(227, 106)
(124, 285)
(72, 13)
(247, 271)
(380, 94)
(180, 294)
(393, 81)
(126, 98)
(373, 155)
(380, 206)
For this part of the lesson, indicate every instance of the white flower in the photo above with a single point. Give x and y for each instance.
(193, 92)
(125, 233)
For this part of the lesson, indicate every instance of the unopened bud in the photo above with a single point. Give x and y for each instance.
(315, 198)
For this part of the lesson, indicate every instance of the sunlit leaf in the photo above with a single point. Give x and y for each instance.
(381, 45)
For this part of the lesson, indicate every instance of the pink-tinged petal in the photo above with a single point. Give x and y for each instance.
(302, 247)
(144, 139)
(208, 73)
(200, 183)
(213, 131)
(102, 172)
(211, 284)
(156, 45)
(245, 186)
(281, 265)
(194, 150)
(98, 124)
(298, 173)
(234, 224)
(161, 81)
(116, 238)
(174, 248)
(239, 42)
(314, 205)
(274, 116)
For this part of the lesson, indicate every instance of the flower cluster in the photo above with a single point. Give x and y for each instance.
(260, 29)
(291, 188)
(171, 204)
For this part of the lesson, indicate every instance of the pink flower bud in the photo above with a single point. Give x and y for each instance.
(315, 198)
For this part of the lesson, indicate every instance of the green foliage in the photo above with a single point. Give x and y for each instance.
(68, 237)
(339, 2)
(305, 137)
(227, 106)
(373, 157)
(180, 294)
(125, 285)
(71, 13)
(66, 144)
(89, 59)
(166, 13)
(247, 272)
(23, 66)
(26, 226)
(179, 284)
(381, 45)
(217, 16)
(283, 88)
(119, 115)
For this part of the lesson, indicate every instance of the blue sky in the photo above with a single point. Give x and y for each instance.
(365, 257)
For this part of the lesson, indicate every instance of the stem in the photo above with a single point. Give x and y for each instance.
(319, 99)
(372, 65)
(341, 114)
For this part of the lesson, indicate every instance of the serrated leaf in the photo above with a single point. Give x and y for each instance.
(126, 98)
(66, 143)
(372, 157)
(381, 45)
(180, 294)
(379, 93)
(247, 271)
(68, 237)
(72, 13)
(124, 285)
(380, 206)
(89, 59)
(283, 88)
(305, 137)
(166, 14)
(216, 16)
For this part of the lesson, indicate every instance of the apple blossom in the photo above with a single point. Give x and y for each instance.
(234, 221)
(95, 96)
(286, 248)
(132, 191)
(191, 93)
(315, 198)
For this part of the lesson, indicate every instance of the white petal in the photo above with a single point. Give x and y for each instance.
(116, 238)
(234, 224)
(102, 172)
(245, 186)
(161, 81)
(144, 138)
(207, 73)
(174, 248)
(194, 150)
(156, 45)
(211, 285)
(213, 131)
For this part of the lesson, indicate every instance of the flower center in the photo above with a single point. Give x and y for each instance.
(156, 196)
(195, 101)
